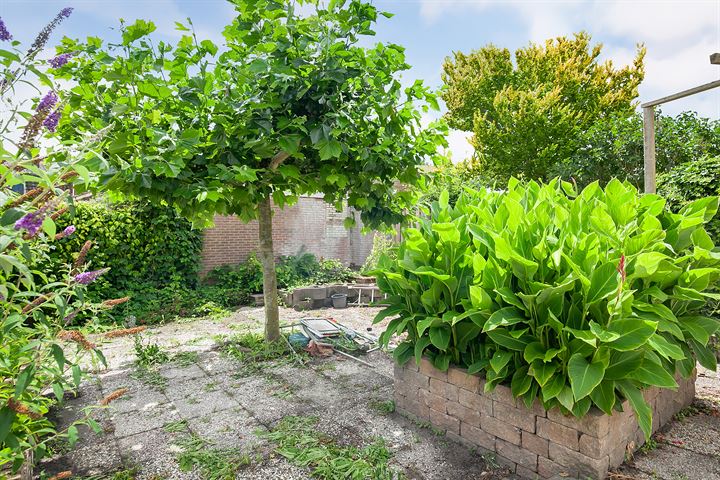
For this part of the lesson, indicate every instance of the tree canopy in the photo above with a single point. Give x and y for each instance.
(291, 104)
(528, 112)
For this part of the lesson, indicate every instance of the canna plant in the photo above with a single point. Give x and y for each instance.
(577, 299)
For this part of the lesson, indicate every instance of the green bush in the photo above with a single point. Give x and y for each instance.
(144, 246)
(689, 181)
(575, 299)
(292, 271)
(383, 245)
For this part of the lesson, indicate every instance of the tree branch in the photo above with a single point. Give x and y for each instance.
(278, 159)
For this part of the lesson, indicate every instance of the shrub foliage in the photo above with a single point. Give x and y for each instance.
(575, 299)
(144, 246)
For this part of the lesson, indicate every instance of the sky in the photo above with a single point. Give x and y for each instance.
(679, 35)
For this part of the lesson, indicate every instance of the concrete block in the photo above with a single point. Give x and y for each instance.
(535, 444)
(517, 454)
(500, 429)
(477, 436)
(520, 417)
(558, 433)
(463, 414)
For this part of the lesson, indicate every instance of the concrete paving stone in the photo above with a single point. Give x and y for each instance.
(155, 416)
(100, 457)
(276, 469)
(215, 363)
(698, 433)
(254, 394)
(138, 398)
(672, 463)
(154, 453)
(233, 428)
(201, 402)
(175, 372)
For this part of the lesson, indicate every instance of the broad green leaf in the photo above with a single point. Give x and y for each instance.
(420, 346)
(634, 333)
(504, 317)
(622, 364)
(642, 411)
(705, 355)
(503, 338)
(500, 359)
(584, 376)
(666, 348)
(521, 381)
(440, 336)
(542, 371)
(403, 353)
(651, 373)
(699, 327)
(604, 396)
(603, 282)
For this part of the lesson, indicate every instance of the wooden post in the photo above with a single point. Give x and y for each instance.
(649, 148)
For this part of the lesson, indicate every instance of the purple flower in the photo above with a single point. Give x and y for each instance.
(60, 60)
(4, 34)
(32, 222)
(65, 12)
(51, 121)
(44, 34)
(69, 230)
(47, 102)
(89, 277)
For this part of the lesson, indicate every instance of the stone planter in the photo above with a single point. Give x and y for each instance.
(531, 442)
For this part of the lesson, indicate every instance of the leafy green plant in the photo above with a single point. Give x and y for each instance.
(298, 106)
(383, 245)
(41, 360)
(298, 440)
(578, 299)
(149, 354)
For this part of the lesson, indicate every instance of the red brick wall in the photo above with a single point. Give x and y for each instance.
(311, 225)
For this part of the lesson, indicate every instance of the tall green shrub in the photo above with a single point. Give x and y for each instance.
(689, 181)
(144, 246)
(575, 299)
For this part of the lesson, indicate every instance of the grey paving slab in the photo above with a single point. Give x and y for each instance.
(132, 423)
(233, 428)
(175, 372)
(154, 452)
(673, 463)
(201, 402)
(214, 363)
(97, 458)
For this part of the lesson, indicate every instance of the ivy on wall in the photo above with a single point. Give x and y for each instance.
(144, 246)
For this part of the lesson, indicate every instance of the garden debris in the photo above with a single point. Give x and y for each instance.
(318, 349)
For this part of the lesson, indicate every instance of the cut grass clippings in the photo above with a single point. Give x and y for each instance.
(297, 439)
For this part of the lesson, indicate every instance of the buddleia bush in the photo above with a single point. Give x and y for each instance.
(577, 299)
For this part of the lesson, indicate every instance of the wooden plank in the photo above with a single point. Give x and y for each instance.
(649, 148)
(683, 94)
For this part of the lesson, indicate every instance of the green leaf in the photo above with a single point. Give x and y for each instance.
(72, 435)
(584, 376)
(699, 327)
(7, 417)
(504, 317)
(441, 361)
(634, 333)
(643, 412)
(330, 149)
(503, 338)
(542, 371)
(521, 381)
(420, 346)
(440, 336)
(651, 373)
(705, 355)
(665, 347)
(403, 352)
(137, 30)
(603, 283)
(500, 359)
(622, 364)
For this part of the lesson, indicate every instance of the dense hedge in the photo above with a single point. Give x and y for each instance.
(144, 246)
(575, 299)
(690, 181)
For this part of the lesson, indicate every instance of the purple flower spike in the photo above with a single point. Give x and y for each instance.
(47, 102)
(69, 230)
(89, 277)
(4, 34)
(51, 121)
(32, 222)
(65, 12)
(60, 60)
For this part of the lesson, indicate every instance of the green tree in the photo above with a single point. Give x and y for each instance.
(291, 105)
(528, 113)
(613, 147)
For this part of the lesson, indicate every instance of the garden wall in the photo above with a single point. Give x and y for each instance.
(531, 442)
(311, 224)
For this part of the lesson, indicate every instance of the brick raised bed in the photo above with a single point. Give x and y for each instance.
(531, 442)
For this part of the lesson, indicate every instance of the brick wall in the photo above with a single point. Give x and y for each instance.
(530, 442)
(311, 224)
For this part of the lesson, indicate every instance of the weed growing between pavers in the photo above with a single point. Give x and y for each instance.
(383, 407)
(212, 463)
(150, 377)
(185, 359)
(297, 439)
(176, 427)
(149, 354)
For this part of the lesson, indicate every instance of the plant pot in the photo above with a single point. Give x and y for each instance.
(339, 300)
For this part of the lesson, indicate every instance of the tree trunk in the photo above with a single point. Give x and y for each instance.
(267, 258)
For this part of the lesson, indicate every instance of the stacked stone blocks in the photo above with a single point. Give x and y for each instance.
(531, 442)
